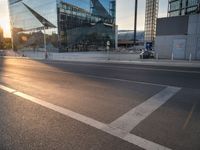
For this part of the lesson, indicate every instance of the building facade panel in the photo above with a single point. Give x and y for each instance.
(172, 26)
(164, 45)
(198, 48)
(191, 46)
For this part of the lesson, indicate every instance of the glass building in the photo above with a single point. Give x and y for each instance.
(67, 25)
(183, 7)
(151, 15)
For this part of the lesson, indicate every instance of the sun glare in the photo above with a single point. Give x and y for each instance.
(4, 24)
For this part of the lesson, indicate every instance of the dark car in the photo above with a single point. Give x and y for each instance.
(146, 54)
(2, 53)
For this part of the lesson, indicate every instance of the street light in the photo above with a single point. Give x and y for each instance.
(45, 40)
(135, 21)
(45, 44)
(12, 34)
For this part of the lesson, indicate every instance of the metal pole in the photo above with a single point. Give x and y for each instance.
(108, 49)
(45, 44)
(190, 57)
(157, 56)
(12, 35)
(135, 21)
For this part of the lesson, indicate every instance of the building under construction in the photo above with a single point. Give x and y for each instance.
(151, 15)
(69, 25)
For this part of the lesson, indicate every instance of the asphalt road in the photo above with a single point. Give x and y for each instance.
(97, 106)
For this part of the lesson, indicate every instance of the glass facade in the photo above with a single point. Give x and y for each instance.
(27, 29)
(70, 25)
(182, 7)
(151, 16)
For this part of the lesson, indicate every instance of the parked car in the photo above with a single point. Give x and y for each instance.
(2, 53)
(147, 54)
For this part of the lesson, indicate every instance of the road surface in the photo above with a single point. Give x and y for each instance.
(97, 106)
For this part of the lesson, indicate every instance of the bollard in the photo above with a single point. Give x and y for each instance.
(156, 56)
(190, 57)
(46, 55)
(108, 52)
(172, 56)
(108, 49)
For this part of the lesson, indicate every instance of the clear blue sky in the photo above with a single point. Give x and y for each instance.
(125, 13)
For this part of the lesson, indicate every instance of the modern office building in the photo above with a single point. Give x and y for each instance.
(151, 16)
(67, 25)
(183, 7)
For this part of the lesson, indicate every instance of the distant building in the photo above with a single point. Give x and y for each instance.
(151, 16)
(126, 38)
(183, 7)
(1, 38)
(71, 25)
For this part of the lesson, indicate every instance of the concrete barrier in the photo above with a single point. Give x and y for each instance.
(90, 56)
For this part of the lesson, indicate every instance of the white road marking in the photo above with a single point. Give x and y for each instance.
(189, 116)
(143, 143)
(62, 110)
(105, 78)
(7, 89)
(131, 119)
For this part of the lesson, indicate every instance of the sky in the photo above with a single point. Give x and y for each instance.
(125, 14)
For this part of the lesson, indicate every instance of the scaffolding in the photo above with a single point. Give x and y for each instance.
(151, 16)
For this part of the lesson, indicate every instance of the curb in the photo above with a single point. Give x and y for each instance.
(166, 63)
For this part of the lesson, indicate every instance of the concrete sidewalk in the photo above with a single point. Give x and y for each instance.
(103, 57)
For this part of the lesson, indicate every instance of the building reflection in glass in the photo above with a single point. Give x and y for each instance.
(70, 25)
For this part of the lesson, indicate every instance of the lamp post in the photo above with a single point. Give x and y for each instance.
(45, 40)
(135, 21)
(45, 43)
(12, 34)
